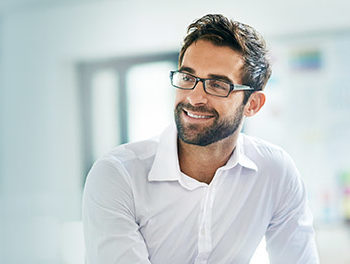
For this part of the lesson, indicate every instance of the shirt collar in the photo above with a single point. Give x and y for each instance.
(239, 157)
(166, 163)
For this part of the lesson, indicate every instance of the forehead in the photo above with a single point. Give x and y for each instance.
(206, 58)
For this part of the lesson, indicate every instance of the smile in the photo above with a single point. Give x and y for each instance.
(197, 116)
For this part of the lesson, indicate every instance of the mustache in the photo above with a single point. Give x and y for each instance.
(199, 109)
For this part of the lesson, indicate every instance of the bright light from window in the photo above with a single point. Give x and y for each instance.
(150, 99)
(105, 116)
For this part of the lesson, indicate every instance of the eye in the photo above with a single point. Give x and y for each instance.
(186, 78)
(218, 85)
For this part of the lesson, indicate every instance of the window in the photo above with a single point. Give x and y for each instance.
(123, 99)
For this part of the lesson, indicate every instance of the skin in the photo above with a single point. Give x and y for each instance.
(205, 60)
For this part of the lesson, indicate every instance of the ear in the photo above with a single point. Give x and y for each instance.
(254, 104)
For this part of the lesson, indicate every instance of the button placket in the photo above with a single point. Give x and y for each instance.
(204, 237)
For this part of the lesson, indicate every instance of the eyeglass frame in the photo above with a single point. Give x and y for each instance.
(233, 87)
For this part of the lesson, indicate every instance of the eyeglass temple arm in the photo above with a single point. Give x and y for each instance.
(241, 87)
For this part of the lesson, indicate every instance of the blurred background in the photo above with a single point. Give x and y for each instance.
(78, 77)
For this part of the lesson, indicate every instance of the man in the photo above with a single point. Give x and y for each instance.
(202, 192)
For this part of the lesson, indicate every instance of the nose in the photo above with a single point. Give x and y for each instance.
(197, 96)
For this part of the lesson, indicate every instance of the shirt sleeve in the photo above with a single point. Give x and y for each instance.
(110, 231)
(290, 234)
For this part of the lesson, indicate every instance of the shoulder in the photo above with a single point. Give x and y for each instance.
(132, 152)
(270, 159)
(276, 170)
(125, 162)
(257, 148)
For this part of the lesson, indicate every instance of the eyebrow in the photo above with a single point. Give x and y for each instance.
(211, 76)
(187, 69)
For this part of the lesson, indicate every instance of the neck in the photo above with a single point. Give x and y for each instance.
(201, 162)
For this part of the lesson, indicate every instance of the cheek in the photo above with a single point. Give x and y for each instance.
(179, 96)
(234, 102)
(228, 109)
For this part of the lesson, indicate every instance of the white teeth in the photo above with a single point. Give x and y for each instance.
(196, 116)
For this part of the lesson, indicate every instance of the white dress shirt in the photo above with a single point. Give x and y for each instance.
(138, 207)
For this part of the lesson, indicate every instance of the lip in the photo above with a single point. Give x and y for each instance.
(197, 116)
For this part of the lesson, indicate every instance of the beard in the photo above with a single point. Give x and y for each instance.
(195, 134)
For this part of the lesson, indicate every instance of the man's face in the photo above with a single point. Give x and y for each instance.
(202, 119)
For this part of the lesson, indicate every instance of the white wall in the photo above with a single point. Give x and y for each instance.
(41, 171)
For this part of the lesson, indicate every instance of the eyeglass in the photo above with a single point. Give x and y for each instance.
(215, 87)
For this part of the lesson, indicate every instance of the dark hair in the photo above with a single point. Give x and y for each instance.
(240, 37)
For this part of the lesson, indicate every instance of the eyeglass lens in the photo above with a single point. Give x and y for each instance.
(212, 86)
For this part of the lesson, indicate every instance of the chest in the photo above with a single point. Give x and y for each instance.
(226, 218)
